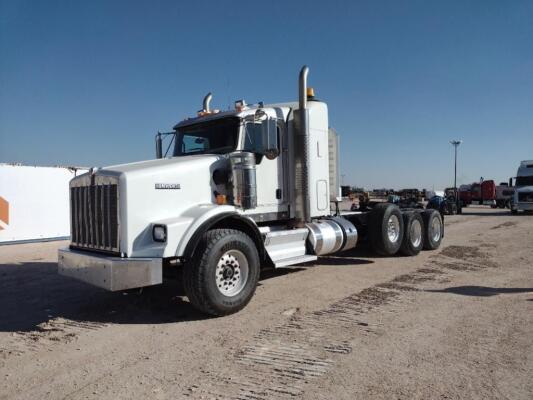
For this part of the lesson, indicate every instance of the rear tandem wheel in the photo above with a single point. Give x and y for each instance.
(386, 229)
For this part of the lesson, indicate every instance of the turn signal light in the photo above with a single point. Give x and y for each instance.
(221, 199)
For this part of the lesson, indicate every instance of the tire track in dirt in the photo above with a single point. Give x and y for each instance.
(280, 361)
(52, 332)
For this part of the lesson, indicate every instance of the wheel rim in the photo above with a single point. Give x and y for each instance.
(231, 273)
(416, 233)
(393, 228)
(435, 228)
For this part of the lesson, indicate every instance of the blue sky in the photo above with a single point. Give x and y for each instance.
(90, 82)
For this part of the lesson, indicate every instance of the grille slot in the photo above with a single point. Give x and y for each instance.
(94, 216)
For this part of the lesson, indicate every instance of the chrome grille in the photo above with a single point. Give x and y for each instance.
(94, 210)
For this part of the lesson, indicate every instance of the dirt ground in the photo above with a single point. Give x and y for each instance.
(456, 323)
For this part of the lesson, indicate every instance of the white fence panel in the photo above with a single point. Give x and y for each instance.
(34, 202)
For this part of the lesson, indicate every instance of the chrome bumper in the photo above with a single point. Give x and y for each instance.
(524, 206)
(111, 273)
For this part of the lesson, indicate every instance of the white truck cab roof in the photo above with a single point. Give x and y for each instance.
(525, 168)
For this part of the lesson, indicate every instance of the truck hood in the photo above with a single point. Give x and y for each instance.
(155, 190)
(150, 167)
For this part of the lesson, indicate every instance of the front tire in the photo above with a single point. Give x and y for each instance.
(223, 273)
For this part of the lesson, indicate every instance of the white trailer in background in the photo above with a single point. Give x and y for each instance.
(34, 202)
(523, 194)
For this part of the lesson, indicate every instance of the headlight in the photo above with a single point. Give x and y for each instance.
(159, 233)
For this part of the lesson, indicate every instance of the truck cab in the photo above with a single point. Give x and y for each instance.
(523, 193)
(228, 194)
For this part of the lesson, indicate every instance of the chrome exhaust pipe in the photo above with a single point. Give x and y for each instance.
(303, 198)
(302, 95)
(207, 102)
(158, 145)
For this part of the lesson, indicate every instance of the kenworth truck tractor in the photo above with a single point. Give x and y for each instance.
(523, 194)
(235, 192)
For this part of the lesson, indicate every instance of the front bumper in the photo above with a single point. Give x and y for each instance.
(111, 273)
(524, 206)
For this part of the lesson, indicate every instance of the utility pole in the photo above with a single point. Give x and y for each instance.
(455, 144)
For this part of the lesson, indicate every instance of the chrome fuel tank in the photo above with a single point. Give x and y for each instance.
(331, 235)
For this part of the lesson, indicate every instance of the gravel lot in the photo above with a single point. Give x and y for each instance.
(449, 324)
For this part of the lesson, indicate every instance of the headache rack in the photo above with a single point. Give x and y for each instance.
(94, 213)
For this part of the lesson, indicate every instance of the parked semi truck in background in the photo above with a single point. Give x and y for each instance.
(255, 187)
(483, 193)
(523, 193)
(504, 194)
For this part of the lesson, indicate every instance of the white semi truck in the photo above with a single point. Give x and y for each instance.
(241, 190)
(523, 193)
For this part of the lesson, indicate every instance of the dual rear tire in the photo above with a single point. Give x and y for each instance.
(386, 229)
(413, 239)
(391, 231)
(433, 229)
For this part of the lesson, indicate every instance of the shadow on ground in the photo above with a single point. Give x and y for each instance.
(480, 291)
(489, 213)
(34, 293)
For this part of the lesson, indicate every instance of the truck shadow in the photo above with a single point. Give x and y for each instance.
(480, 291)
(488, 213)
(357, 256)
(33, 294)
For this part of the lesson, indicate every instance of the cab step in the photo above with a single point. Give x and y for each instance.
(287, 246)
(295, 260)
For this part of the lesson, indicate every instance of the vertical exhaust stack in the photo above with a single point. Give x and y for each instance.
(158, 145)
(301, 152)
(207, 102)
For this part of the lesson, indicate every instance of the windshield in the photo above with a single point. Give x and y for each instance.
(524, 180)
(212, 137)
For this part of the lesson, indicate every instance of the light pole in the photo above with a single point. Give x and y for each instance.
(455, 144)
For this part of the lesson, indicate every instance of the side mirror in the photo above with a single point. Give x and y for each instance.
(158, 145)
(269, 133)
(262, 134)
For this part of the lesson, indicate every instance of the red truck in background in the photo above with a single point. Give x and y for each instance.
(483, 192)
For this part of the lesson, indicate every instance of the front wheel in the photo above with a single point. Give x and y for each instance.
(223, 273)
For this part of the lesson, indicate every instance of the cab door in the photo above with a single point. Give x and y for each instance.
(266, 138)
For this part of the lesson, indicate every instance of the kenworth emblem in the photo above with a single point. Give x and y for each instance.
(167, 186)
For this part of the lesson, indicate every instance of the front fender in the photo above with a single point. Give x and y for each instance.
(200, 215)
(184, 232)
(181, 229)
